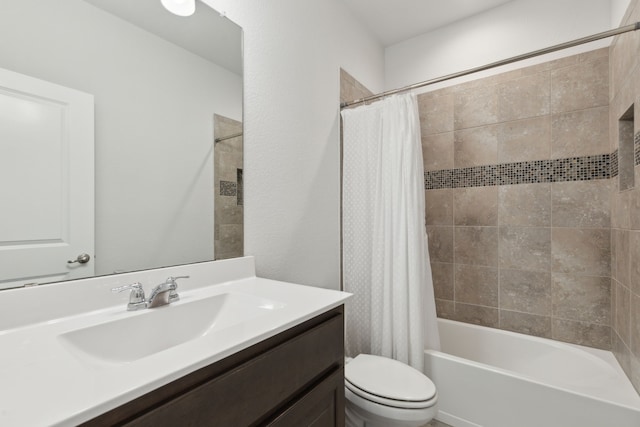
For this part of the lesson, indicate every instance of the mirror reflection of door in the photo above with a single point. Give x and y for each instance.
(228, 185)
(46, 181)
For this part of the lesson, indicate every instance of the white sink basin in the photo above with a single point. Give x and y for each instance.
(153, 330)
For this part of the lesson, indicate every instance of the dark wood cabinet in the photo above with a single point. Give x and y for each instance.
(319, 407)
(295, 378)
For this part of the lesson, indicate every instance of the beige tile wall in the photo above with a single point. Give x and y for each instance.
(228, 212)
(350, 88)
(531, 258)
(625, 205)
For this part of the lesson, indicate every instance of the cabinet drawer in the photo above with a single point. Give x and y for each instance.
(254, 391)
(322, 406)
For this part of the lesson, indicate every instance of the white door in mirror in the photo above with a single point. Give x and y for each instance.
(46, 181)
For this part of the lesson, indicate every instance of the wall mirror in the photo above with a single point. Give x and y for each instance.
(109, 110)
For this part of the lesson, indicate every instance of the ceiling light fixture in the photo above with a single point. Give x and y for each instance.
(180, 7)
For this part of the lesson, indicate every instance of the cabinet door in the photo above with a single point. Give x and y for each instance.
(322, 406)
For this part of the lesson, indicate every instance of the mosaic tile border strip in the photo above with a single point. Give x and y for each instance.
(533, 172)
(228, 188)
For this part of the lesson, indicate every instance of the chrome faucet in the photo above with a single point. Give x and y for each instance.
(165, 293)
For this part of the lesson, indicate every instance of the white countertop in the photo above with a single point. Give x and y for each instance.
(42, 383)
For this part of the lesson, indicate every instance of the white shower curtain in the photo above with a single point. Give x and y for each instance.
(385, 255)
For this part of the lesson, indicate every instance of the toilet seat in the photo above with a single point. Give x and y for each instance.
(389, 382)
(393, 403)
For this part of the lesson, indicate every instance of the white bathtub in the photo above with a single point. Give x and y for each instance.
(493, 378)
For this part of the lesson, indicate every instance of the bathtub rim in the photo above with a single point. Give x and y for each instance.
(524, 377)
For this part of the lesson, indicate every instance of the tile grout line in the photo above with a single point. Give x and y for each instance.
(498, 256)
(551, 222)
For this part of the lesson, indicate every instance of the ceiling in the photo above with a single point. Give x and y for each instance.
(393, 21)
(205, 33)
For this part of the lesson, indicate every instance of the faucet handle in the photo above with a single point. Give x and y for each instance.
(132, 286)
(136, 298)
(172, 279)
(173, 294)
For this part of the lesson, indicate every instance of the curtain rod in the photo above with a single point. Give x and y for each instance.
(583, 40)
(224, 138)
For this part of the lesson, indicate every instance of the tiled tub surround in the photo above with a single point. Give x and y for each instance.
(625, 205)
(518, 184)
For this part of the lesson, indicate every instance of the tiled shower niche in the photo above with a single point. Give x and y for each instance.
(625, 161)
(625, 198)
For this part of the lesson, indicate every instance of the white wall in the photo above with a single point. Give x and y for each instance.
(514, 28)
(293, 52)
(618, 9)
(154, 164)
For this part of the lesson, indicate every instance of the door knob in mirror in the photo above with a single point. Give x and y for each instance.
(82, 259)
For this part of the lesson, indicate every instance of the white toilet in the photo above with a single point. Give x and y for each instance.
(382, 392)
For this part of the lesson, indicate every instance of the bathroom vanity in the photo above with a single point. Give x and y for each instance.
(295, 378)
(235, 350)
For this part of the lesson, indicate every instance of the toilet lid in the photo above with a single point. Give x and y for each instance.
(389, 379)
